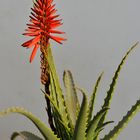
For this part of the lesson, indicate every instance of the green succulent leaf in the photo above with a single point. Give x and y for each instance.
(25, 136)
(62, 129)
(81, 123)
(52, 102)
(45, 131)
(55, 110)
(97, 132)
(72, 102)
(91, 130)
(56, 85)
(113, 84)
(53, 91)
(57, 114)
(92, 98)
(112, 135)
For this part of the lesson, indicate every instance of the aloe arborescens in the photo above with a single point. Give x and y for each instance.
(68, 118)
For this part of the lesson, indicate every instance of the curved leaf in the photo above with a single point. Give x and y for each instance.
(25, 136)
(91, 130)
(58, 91)
(62, 110)
(57, 114)
(52, 89)
(45, 131)
(72, 102)
(52, 102)
(92, 98)
(81, 123)
(113, 84)
(122, 124)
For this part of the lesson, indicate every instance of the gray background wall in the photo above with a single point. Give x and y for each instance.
(98, 32)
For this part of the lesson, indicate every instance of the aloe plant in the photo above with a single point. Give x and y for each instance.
(73, 120)
(69, 119)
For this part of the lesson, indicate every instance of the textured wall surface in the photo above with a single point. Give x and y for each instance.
(98, 32)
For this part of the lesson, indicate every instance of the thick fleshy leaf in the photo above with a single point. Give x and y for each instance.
(92, 98)
(52, 89)
(61, 126)
(44, 130)
(112, 135)
(58, 90)
(72, 102)
(52, 102)
(81, 123)
(57, 94)
(25, 136)
(91, 130)
(113, 84)
(57, 113)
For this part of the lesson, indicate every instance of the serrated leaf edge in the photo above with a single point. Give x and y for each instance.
(113, 83)
(44, 130)
(92, 98)
(91, 130)
(81, 123)
(72, 102)
(122, 124)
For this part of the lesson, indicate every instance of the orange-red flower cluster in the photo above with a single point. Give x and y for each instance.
(42, 27)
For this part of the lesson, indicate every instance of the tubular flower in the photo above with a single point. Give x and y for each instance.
(43, 21)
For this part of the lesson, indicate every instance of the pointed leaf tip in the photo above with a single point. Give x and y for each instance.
(81, 123)
(72, 102)
(92, 98)
(112, 135)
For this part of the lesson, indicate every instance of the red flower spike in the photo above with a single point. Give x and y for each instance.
(43, 22)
